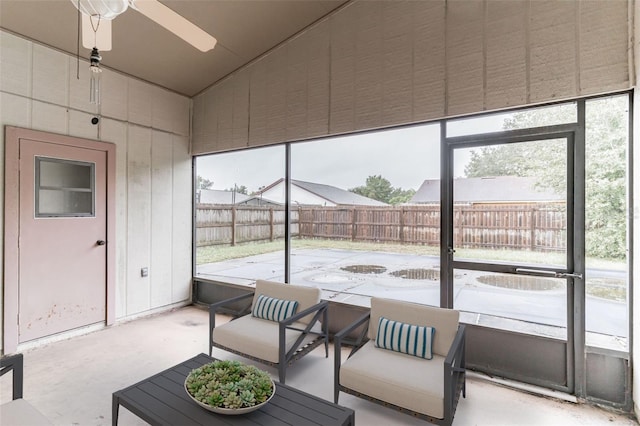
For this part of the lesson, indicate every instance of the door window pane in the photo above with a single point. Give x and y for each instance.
(510, 203)
(523, 119)
(64, 188)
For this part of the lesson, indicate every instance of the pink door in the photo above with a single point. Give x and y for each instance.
(62, 238)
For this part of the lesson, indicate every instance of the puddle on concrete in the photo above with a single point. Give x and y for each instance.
(520, 282)
(364, 269)
(417, 274)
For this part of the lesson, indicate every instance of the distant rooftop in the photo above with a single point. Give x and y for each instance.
(337, 195)
(501, 189)
(216, 196)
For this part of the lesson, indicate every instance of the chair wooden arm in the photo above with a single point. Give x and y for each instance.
(16, 363)
(337, 346)
(320, 309)
(454, 373)
(302, 314)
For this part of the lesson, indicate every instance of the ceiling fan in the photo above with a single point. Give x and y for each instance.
(98, 14)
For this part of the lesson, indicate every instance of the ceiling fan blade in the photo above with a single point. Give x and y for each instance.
(175, 23)
(101, 38)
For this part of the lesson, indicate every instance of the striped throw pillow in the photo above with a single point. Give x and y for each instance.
(406, 338)
(273, 309)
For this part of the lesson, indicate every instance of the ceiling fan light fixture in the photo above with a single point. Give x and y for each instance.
(105, 9)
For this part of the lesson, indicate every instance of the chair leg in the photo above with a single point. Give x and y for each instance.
(281, 372)
(326, 346)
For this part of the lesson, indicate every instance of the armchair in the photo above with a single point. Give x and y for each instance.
(18, 411)
(266, 337)
(422, 372)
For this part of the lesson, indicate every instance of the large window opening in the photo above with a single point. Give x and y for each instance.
(365, 218)
(239, 232)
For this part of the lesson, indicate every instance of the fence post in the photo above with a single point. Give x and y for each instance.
(533, 228)
(271, 224)
(233, 225)
(401, 230)
(353, 224)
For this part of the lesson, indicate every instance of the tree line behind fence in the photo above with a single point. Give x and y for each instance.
(539, 227)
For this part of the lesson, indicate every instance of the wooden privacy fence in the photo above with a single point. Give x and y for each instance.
(524, 226)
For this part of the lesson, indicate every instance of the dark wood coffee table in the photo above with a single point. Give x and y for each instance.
(162, 400)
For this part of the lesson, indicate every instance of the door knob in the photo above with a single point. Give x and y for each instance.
(101, 242)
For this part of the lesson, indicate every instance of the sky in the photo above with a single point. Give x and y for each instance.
(405, 157)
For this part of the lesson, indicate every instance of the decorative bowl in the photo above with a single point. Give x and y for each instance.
(229, 387)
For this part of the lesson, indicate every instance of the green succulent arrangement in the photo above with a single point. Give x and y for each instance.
(229, 384)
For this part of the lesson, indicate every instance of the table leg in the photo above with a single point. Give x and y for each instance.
(115, 406)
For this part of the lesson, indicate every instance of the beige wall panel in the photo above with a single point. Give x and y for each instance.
(553, 50)
(162, 112)
(211, 117)
(258, 103)
(114, 94)
(428, 95)
(133, 155)
(14, 111)
(506, 53)
(297, 84)
(50, 76)
(318, 79)
(603, 46)
(182, 118)
(343, 69)
(465, 57)
(49, 117)
(223, 104)
(240, 121)
(181, 220)
(369, 66)
(139, 218)
(397, 75)
(116, 132)
(198, 118)
(160, 272)
(79, 87)
(15, 64)
(80, 125)
(276, 71)
(139, 102)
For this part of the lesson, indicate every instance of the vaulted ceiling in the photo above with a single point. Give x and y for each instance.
(245, 29)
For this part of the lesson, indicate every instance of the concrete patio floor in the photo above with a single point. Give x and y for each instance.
(71, 381)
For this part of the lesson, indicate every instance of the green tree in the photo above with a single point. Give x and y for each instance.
(202, 183)
(379, 188)
(606, 149)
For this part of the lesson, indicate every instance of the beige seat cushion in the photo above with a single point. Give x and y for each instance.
(257, 337)
(20, 412)
(404, 380)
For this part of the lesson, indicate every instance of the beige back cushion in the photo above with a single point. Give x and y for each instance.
(305, 296)
(445, 321)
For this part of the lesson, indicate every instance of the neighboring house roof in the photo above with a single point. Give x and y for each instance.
(330, 193)
(337, 195)
(501, 189)
(216, 196)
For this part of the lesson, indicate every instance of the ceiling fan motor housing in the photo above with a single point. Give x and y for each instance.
(105, 9)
